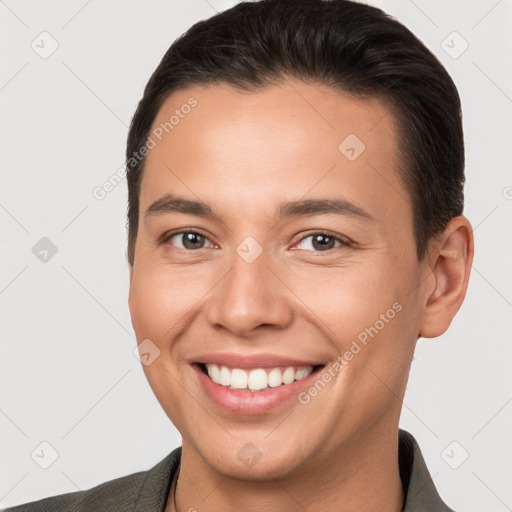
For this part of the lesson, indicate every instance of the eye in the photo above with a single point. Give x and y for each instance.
(321, 242)
(190, 240)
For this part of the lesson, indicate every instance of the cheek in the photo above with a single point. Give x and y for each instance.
(156, 308)
(159, 299)
(144, 301)
(348, 300)
(366, 315)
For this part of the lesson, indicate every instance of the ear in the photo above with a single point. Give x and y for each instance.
(450, 258)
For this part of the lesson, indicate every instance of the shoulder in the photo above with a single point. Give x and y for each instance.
(144, 490)
(121, 491)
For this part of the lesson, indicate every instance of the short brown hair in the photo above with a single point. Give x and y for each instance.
(345, 45)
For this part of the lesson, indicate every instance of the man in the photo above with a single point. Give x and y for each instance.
(295, 174)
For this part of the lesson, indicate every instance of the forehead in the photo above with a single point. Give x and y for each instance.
(245, 149)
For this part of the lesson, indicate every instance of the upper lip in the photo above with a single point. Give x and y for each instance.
(253, 360)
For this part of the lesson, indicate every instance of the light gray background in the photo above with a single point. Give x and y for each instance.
(68, 375)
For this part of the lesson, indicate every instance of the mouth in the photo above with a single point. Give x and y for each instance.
(256, 379)
(252, 388)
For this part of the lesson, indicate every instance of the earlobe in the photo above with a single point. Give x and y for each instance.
(451, 260)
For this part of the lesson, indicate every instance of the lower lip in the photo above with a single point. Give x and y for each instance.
(252, 402)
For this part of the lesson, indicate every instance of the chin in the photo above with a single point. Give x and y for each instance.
(258, 462)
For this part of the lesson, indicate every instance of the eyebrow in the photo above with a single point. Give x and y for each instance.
(170, 203)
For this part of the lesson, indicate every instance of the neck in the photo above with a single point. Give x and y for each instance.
(363, 476)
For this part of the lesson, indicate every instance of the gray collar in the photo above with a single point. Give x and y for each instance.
(421, 493)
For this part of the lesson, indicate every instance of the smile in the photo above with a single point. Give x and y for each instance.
(252, 386)
(256, 379)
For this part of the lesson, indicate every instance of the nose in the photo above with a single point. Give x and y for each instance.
(250, 295)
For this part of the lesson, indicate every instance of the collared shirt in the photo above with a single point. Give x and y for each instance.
(147, 491)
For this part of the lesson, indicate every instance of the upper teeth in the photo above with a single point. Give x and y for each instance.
(256, 379)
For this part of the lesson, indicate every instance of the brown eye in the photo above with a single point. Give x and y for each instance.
(187, 240)
(320, 242)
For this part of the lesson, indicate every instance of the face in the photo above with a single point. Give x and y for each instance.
(302, 256)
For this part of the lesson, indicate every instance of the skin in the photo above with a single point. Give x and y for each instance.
(248, 152)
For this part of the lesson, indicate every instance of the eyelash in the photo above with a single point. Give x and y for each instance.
(343, 243)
